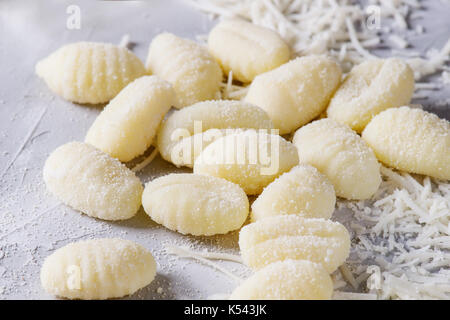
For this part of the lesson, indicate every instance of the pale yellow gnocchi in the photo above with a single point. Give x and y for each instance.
(246, 49)
(287, 280)
(92, 182)
(175, 132)
(89, 72)
(195, 204)
(186, 151)
(285, 237)
(250, 159)
(411, 140)
(128, 124)
(194, 73)
(98, 269)
(296, 92)
(369, 88)
(339, 153)
(302, 191)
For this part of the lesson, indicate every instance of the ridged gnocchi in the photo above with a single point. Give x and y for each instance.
(296, 92)
(411, 140)
(292, 237)
(186, 151)
(128, 124)
(89, 72)
(287, 280)
(98, 269)
(246, 49)
(194, 73)
(203, 116)
(339, 153)
(302, 191)
(92, 182)
(369, 88)
(250, 159)
(195, 204)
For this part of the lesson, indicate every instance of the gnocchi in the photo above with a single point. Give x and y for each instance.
(250, 159)
(128, 124)
(292, 237)
(194, 73)
(411, 140)
(187, 150)
(98, 269)
(339, 153)
(246, 49)
(296, 92)
(89, 72)
(203, 116)
(371, 87)
(195, 204)
(92, 182)
(303, 191)
(287, 280)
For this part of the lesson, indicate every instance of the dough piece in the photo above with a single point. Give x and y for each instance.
(411, 140)
(297, 92)
(195, 204)
(287, 280)
(292, 237)
(89, 72)
(303, 191)
(246, 49)
(339, 153)
(250, 159)
(369, 88)
(92, 182)
(202, 116)
(98, 269)
(194, 73)
(128, 124)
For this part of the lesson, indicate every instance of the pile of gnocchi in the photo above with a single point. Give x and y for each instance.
(329, 134)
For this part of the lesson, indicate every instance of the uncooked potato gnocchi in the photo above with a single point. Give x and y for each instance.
(369, 88)
(195, 204)
(186, 151)
(250, 159)
(411, 140)
(246, 49)
(89, 72)
(303, 191)
(203, 116)
(98, 269)
(287, 280)
(292, 237)
(127, 125)
(194, 73)
(92, 182)
(339, 153)
(296, 92)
